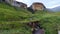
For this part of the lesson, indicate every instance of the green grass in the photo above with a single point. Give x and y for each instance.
(14, 20)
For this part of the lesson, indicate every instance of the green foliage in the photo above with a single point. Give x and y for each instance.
(14, 20)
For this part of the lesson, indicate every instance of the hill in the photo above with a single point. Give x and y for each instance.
(14, 20)
(56, 9)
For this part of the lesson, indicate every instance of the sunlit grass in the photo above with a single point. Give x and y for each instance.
(14, 20)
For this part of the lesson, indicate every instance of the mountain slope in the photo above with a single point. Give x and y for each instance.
(14, 20)
(56, 8)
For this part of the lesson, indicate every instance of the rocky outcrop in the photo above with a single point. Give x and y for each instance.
(20, 4)
(36, 27)
(2, 0)
(15, 3)
(37, 6)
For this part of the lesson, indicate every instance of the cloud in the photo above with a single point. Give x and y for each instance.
(47, 3)
(28, 2)
(53, 6)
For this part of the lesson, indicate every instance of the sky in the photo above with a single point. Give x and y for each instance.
(47, 3)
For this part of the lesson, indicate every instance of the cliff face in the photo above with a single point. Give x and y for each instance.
(20, 4)
(37, 6)
(7, 1)
(15, 3)
(2, 0)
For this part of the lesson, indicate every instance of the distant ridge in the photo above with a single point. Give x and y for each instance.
(56, 8)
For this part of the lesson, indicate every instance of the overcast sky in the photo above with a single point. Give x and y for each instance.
(47, 3)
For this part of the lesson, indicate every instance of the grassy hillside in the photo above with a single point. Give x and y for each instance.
(13, 20)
